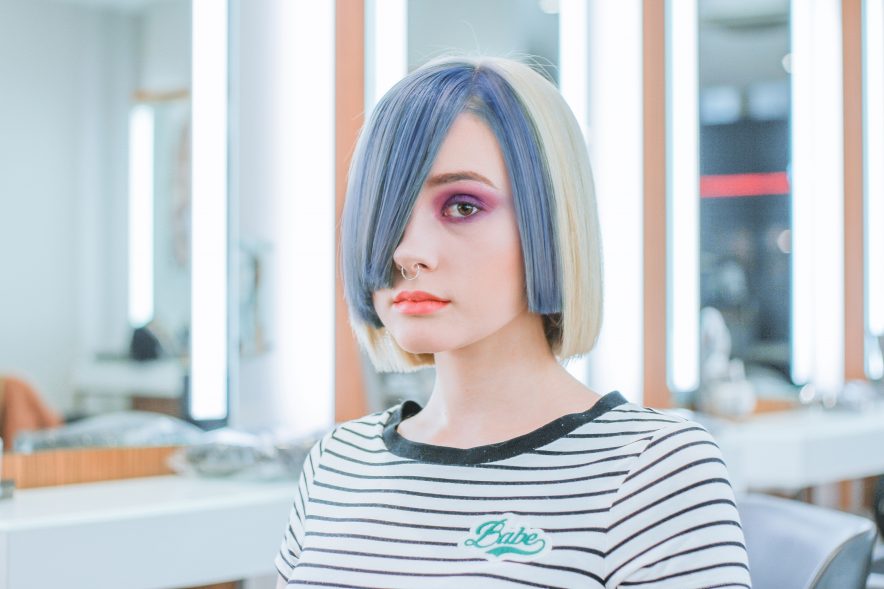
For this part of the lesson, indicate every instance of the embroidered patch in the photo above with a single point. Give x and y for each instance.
(507, 537)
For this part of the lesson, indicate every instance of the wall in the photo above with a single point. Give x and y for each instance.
(165, 46)
(62, 68)
(69, 72)
(486, 27)
(164, 67)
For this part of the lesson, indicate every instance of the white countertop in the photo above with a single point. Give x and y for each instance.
(171, 531)
(803, 448)
(146, 533)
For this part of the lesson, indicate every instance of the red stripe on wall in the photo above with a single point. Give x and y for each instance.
(731, 185)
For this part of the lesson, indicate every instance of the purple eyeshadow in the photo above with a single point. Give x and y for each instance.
(459, 199)
(465, 199)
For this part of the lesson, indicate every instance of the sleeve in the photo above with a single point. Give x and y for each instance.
(673, 521)
(293, 539)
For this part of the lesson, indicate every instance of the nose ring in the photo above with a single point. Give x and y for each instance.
(417, 272)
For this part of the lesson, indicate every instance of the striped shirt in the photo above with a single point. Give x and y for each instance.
(616, 496)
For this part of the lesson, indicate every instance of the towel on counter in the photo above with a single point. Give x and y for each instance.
(22, 409)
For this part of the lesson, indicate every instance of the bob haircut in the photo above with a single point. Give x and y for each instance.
(549, 174)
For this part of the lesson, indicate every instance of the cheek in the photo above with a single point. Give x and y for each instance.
(516, 273)
(501, 275)
(380, 308)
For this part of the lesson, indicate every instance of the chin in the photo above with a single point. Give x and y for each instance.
(435, 343)
(424, 342)
(420, 346)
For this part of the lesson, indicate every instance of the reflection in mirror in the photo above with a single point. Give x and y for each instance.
(745, 202)
(493, 27)
(159, 218)
(873, 123)
(95, 111)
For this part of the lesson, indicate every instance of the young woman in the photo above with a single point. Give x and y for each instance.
(471, 243)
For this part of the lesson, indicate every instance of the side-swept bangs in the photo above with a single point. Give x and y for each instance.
(393, 158)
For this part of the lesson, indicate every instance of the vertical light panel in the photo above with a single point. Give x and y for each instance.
(141, 205)
(601, 75)
(817, 195)
(873, 149)
(208, 384)
(304, 200)
(574, 58)
(386, 47)
(574, 85)
(683, 195)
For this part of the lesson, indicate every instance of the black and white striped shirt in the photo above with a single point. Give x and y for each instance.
(616, 496)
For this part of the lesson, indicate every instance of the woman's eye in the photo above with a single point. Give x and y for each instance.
(460, 210)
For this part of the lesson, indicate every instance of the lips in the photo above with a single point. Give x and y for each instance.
(416, 296)
(417, 302)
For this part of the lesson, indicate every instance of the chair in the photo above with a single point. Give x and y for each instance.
(795, 545)
(21, 409)
(876, 578)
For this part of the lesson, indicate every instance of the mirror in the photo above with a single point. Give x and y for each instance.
(513, 28)
(873, 133)
(96, 196)
(745, 201)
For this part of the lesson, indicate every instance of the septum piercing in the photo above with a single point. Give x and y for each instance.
(416, 273)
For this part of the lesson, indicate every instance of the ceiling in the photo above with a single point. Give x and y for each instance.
(740, 41)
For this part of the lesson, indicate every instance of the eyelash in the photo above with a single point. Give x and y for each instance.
(458, 203)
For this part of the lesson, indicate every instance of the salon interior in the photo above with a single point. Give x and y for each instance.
(172, 173)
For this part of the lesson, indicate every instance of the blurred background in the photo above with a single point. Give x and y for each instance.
(172, 175)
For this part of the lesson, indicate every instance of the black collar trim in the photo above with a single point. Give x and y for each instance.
(538, 438)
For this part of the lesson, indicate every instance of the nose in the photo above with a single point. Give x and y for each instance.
(417, 252)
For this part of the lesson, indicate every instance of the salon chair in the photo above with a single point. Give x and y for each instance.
(795, 545)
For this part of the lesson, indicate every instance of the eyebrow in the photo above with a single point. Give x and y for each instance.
(449, 177)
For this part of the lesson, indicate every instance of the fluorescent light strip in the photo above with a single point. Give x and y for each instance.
(683, 195)
(386, 55)
(574, 56)
(208, 386)
(817, 195)
(574, 85)
(303, 168)
(873, 76)
(601, 76)
(141, 218)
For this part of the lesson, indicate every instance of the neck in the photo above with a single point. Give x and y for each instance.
(485, 373)
(507, 383)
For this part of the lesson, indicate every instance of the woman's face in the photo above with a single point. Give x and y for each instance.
(464, 238)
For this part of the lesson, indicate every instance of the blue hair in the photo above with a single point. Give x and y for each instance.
(393, 158)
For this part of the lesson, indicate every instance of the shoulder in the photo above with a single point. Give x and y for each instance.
(364, 434)
(674, 511)
(625, 412)
(677, 469)
(367, 425)
(632, 417)
(666, 439)
(618, 420)
(659, 449)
